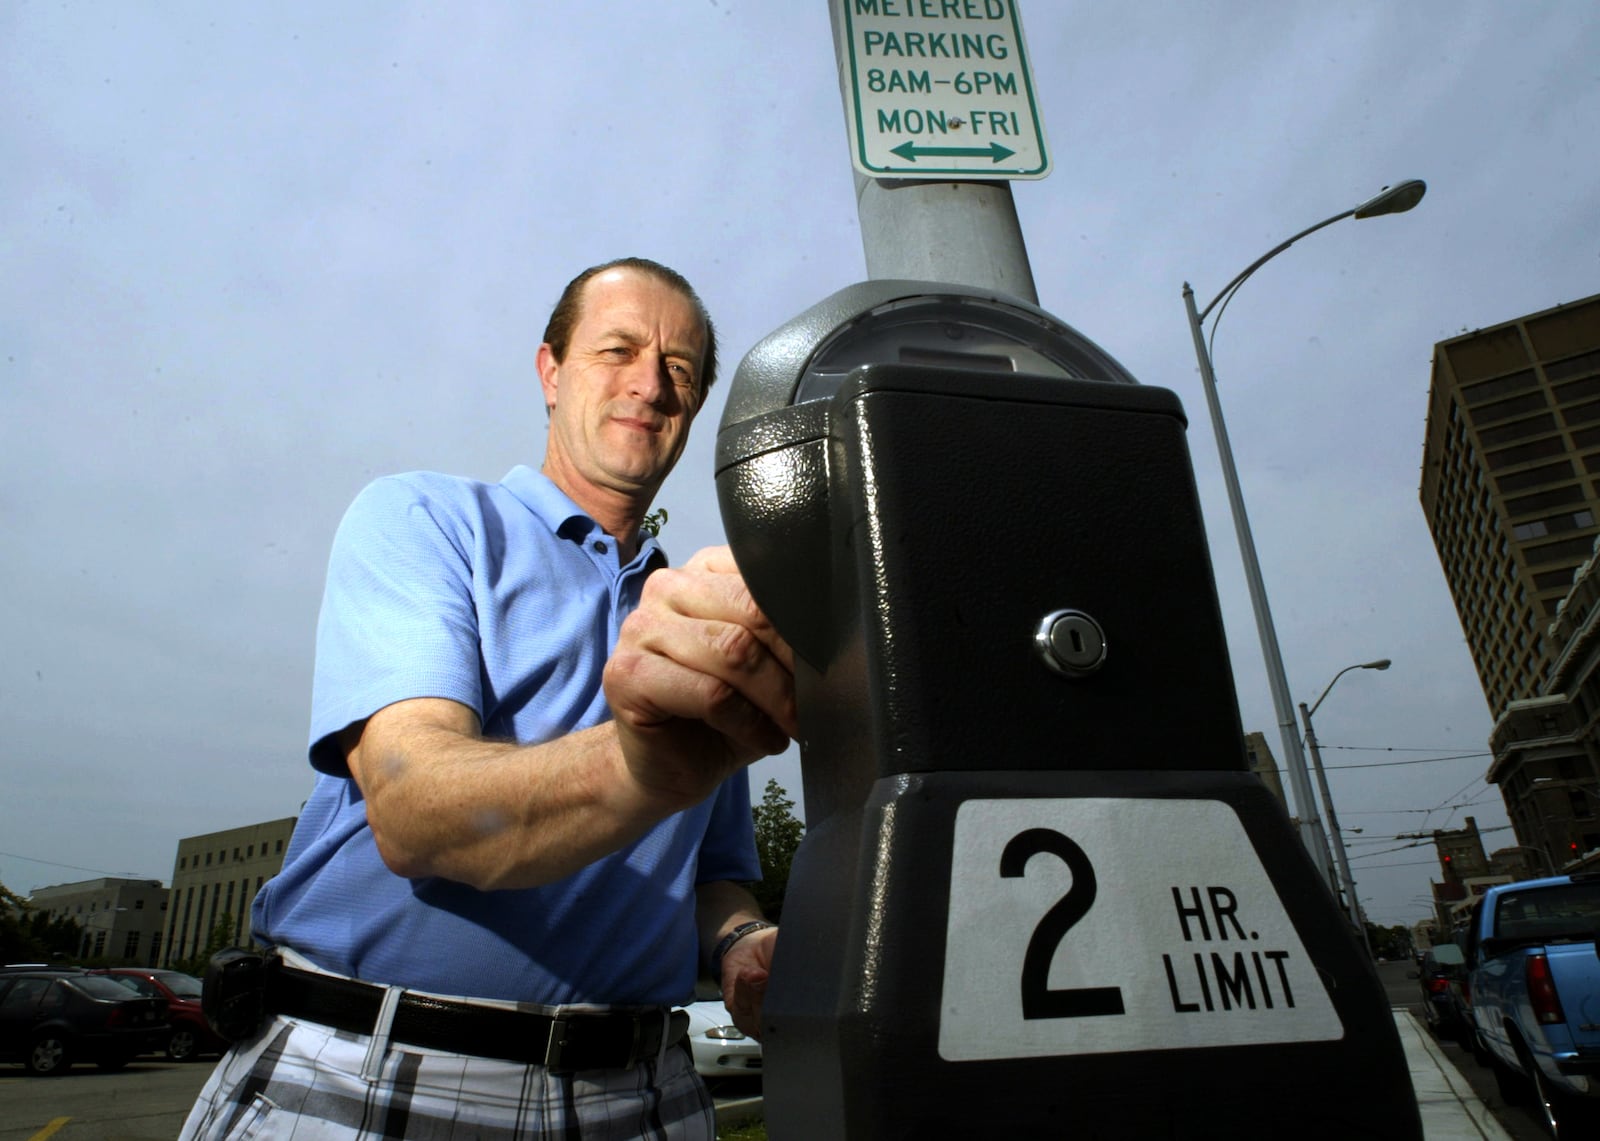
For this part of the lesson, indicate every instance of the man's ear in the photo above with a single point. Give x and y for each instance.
(545, 361)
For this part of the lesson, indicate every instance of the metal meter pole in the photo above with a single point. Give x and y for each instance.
(963, 232)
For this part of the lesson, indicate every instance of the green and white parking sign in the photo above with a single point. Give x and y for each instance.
(940, 88)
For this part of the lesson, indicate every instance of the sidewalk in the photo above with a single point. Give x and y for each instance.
(1450, 1110)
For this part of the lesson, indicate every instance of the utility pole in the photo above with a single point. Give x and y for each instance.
(1347, 881)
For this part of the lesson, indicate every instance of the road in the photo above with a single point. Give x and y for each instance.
(145, 1102)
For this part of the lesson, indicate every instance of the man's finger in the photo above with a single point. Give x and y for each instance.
(728, 652)
(711, 586)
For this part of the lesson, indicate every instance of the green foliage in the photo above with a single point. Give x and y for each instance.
(28, 935)
(1389, 942)
(221, 938)
(654, 521)
(778, 834)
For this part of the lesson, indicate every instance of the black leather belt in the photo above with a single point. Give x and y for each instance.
(573, 1042)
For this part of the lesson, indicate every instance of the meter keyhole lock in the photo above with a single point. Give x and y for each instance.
(1071, 643)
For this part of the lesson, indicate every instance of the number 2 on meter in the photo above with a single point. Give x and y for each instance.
(1038, 1000)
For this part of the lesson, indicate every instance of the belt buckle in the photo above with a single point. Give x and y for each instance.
(555, 1043)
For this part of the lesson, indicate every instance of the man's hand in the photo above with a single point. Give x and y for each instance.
(700, 683)
(744, 978)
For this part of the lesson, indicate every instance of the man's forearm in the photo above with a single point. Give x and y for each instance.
(442, 801)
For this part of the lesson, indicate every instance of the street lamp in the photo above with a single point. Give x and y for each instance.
(1549, 866)
(1343, 857)
(1569, 786)
(1391, 200)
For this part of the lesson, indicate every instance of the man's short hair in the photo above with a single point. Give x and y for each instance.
(558, 331)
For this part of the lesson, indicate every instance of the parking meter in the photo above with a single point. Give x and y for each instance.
(1040, 893)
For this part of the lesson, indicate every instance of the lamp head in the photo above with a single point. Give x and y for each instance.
(1393, 199)
(1380, 664)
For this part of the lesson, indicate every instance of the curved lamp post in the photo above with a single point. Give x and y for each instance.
(1392, 200)
(1552, 784)
(1345, 878)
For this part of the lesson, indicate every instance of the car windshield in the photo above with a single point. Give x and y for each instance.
(1447, 955)
(1560, 911)
(182, 985)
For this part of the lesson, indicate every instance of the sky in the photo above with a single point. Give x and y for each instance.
(252, 258)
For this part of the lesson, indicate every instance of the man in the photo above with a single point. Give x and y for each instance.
(531, 816)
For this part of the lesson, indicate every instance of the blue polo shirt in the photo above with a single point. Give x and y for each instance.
(508, 599)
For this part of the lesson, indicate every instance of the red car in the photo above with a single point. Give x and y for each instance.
(191, 1034)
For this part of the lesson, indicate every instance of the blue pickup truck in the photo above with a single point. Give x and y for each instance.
(1533, 979)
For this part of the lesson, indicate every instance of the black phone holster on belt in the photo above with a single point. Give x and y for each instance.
(235, 991)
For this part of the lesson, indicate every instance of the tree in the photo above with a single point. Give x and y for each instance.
(1389, 942)
(778, 834)
(221, 939)
(28, 935)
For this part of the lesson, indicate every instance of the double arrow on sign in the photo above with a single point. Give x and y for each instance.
(911, 152)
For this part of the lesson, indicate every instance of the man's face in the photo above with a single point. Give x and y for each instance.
(622, 400)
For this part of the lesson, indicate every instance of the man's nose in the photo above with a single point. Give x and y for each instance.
(648, 378)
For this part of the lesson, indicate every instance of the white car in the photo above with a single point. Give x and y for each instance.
(721, 1049)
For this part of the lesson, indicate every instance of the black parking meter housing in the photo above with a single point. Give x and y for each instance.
(982, 538)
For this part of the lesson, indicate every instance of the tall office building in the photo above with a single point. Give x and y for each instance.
(1511, 484)
(215, 880)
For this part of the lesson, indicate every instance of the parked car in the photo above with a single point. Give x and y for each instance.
(191, 1035)
(51, 1019)
(1439, 975)
(721, 1049)
(1534, 982)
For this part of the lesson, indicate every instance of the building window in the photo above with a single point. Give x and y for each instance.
(1555, 497)
(1573, 366)
(1501, 386)
(1522, 429)
(1579, 389)
(1573, 550)
(1582, 414)
(1523, 453)
(1505, 409)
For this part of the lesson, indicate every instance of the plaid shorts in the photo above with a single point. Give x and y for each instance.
(301, 1080)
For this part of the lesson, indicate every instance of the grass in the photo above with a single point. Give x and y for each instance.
(750, 1131)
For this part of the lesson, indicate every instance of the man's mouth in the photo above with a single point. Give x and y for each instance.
(648, 424)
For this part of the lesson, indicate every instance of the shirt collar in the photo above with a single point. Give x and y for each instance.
(539, 494)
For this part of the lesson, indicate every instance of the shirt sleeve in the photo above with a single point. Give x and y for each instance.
(398, 618)
(728, 851)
